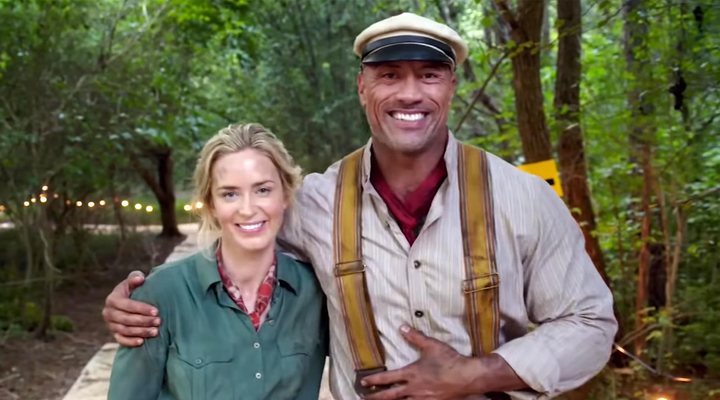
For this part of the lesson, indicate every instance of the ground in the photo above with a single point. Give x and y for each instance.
(33, 369)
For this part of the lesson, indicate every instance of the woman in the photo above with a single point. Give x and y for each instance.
(240, 320)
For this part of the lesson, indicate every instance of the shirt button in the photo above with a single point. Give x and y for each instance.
(256, 345)
(258, 375)
(416, 263)
(419, 314)
(198, 361)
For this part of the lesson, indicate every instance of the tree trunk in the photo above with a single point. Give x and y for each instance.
(50, 275)
(525, 28)
(161, 184)
(167, 200)
(24, 227)
(571, 147)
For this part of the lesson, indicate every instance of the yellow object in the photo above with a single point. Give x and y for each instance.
(546, 170)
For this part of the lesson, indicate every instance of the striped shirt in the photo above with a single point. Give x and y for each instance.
(547, 279)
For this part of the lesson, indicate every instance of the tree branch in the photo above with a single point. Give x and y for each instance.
(480, 92)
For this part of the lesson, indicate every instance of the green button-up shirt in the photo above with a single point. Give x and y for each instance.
(207, 347)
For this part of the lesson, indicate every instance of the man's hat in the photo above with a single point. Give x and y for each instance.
(410, 37)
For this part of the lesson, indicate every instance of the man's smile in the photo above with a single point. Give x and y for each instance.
(405, 116)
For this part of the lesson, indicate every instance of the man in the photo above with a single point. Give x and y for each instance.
(413, 248)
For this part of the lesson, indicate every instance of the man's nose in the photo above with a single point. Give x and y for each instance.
(410, 90)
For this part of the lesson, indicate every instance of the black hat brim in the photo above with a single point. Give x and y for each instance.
(408, 48)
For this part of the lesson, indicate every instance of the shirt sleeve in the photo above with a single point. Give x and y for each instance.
(569, 304)
(310, 203)
(290, 238)
(138, 372)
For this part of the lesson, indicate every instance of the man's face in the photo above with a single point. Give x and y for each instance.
(407, 103)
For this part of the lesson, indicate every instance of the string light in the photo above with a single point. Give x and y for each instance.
(44, 197)
(187, 207)
(199, 204)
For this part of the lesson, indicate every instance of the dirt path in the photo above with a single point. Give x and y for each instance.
(32, 369)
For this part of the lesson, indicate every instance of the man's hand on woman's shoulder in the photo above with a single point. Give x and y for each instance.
(130, 321)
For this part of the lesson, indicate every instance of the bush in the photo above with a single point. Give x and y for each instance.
(62, 323)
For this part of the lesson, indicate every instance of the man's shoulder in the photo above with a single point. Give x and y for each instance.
(318, 189)
(317, 181)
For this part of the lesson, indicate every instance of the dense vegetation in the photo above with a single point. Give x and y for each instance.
(108, 100)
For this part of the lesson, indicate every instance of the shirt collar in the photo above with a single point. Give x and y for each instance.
(286, 270)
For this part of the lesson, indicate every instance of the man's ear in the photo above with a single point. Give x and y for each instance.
(361, 88)
(453, 82)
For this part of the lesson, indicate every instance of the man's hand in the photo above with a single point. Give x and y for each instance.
(440, 373)
(130, 321)
(443, 373)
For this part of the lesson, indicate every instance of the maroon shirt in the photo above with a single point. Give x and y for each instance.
(409, 212)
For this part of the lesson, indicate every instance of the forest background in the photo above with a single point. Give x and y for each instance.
(104, 105)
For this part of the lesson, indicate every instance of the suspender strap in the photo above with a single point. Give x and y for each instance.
(478, 229)
(366, 349)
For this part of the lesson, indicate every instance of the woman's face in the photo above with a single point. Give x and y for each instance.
(248, 200)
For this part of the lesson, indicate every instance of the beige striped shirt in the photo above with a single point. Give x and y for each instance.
(546, 278)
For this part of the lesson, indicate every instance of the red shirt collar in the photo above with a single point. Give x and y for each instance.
(409, 212)
(264, 293)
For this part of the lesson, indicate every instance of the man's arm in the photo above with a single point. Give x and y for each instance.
(442, 373)
(129, 320)
(565, 298)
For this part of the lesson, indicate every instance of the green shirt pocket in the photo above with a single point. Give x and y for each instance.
(295, 356)
(199, 373)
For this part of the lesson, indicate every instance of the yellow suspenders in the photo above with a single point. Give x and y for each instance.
(480, 286)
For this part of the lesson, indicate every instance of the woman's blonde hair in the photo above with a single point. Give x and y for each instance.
(235, 138)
